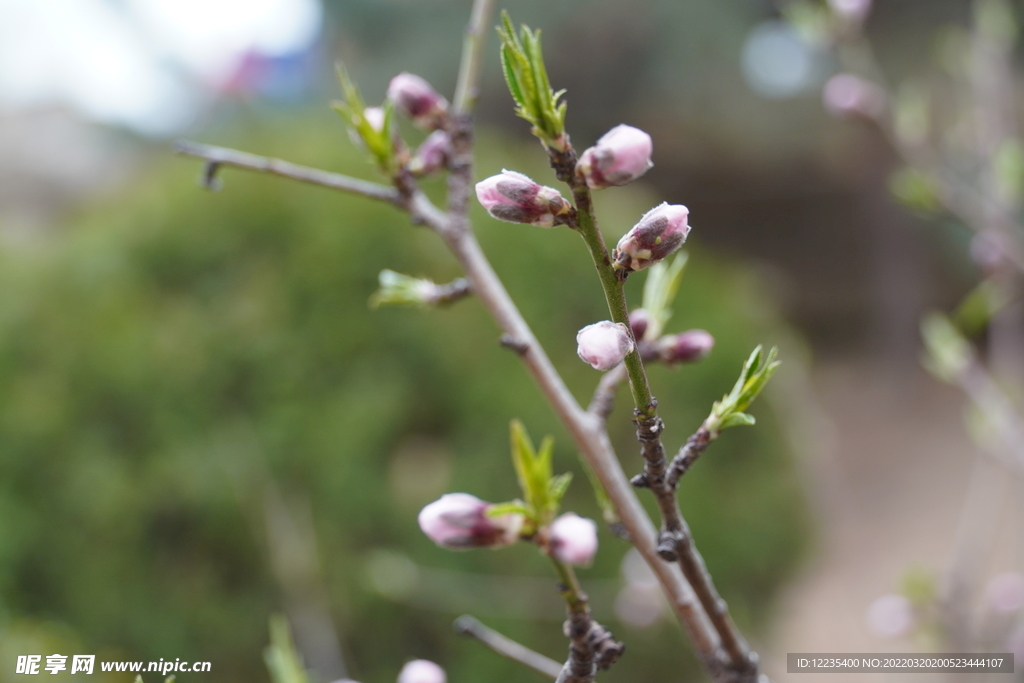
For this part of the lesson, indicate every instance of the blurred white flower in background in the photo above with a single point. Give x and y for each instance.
(149, 65)
(890, 616)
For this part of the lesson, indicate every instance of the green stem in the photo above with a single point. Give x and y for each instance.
(574, 596)
(614, 293)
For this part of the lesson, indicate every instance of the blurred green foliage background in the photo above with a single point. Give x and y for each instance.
(179, 356)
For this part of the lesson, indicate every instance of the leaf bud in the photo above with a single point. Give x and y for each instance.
(622, 155)
(660, 232)
(604, 344)
(515, 198)
(459, 521)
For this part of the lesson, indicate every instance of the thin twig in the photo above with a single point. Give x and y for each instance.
(468, 87)
(506, 647)
(450, 292)
(222, 156)
(603, 402)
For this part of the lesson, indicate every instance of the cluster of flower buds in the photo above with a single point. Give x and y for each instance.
(685, 347)
(422, 671)
(432, 155)
(622, 155)
(459, 521)
(849, 96)
(660, 232)
(573, 539)
(415, 98)
(604, 344)
(513, 197)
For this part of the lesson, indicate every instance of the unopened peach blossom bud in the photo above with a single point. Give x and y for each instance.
(852, 10)
(848, 96)
(639, 321)
(515, 198)
(414, 97)
(890, 616)
(574, 539)
(1005, 592)
(459, 521)
(432, 155)
(685, 347)
(622, 155)
(604, 344)
(660, 232)
(422, 671)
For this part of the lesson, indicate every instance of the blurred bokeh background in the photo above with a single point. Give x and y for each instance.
(202, 423)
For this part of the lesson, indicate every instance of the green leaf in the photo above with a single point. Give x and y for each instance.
(511, 507)
(981, 303)
(522, 62)
(755, 374)
(282, 659)
(660, 290)
(947, 353)
(379, 143)
(604, 501)
(558, 486)
(738, 420)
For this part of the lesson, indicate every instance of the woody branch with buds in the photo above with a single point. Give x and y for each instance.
(619, 346)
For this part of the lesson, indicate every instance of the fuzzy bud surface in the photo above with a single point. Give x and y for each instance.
(603, 345)
(459, 521)
(418, 100)
(515, 198)
(622, 155)
(686, 347)
(574, 539)
(432, 155)
(659, 233)
(422, 671)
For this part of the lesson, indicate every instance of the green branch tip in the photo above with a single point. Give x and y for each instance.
(522, 63)
(729, 412)
(542, 489)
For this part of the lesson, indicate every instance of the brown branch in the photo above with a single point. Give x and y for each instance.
(506, 647)
(222, 156)
(450, 292)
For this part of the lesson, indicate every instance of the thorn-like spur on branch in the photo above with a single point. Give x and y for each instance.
(222, 156)
(506, 647)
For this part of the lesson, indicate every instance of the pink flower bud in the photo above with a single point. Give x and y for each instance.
(513, 197)
(890, 616)
(422, 671)
(415, 97)
(574, 539)
(432, 154)
(1005, 592)
(660, 232)
(853, 10)
(848, 96)
(459, 521)
(687, 347)
(639, 321)
(604, 344)
(622, 155)
(375, 117)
